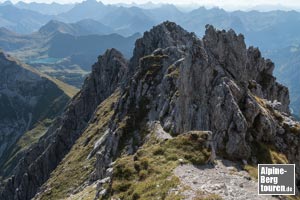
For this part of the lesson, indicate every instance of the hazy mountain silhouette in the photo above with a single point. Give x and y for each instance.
(83, 27)
(272, 31)
(128, 21)
(45, 8)
(64, 45)
(65, 51)
(21, 20)
(90, 9)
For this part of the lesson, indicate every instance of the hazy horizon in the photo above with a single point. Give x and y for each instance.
(225, 4)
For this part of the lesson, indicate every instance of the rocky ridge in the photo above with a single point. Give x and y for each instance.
(182, 84)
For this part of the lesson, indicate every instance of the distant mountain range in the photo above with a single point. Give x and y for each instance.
(45, 8)
(64, 45)
(82, 27)
(256, 26)
(21, 20)
(272, 31)
(65, 51)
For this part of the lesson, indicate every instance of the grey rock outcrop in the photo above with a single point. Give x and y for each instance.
(214, 84)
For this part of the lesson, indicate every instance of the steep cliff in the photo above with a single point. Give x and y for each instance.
(215, 84)
(29, 101)
(179, 98)
(43, 157)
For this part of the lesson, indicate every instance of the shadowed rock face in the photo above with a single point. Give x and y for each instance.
(16, 112)
(26, 98)
(181, 82)
(34, 169)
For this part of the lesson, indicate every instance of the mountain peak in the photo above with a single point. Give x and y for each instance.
(6, 3)
(92, 2)
(163, 35)
(53, 22)
(53, 26)
(112, 53)
(170, 26)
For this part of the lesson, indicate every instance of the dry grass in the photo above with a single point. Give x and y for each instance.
(68, 89)
(295, 129)
(148, 173)
(265, 154)
(293, 197)
(252, 170)
(75, 168)
(88, 193)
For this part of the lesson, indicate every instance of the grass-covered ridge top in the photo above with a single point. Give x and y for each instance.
(149, 172)
(67, 89)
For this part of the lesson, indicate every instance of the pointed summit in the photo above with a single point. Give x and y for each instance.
(6, 3)
(164, 35)
(55, 26)
(92, 2)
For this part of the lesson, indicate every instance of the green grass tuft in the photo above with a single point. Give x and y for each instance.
(148, 173)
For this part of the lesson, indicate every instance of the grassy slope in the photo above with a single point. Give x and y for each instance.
(68, 89)
(148, 173)
(24, 143)
(49, 106)
(135, 176)
(75, 168)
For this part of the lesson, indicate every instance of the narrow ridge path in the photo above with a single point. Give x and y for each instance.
(225, 179)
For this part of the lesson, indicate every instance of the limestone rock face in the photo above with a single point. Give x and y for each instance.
(35, 167)
(210, 84)
(164, 36)
(180, 83)
(214, 84)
